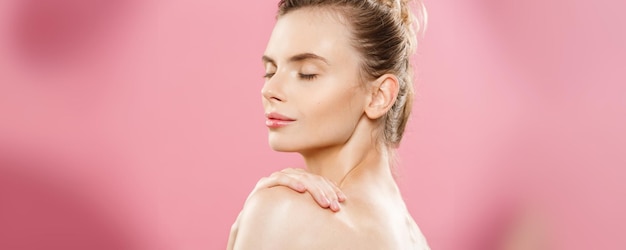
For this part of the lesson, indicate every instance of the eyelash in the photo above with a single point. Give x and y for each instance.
(308, 76)
(303, 76)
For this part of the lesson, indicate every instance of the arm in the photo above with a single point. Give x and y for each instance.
(233, 233)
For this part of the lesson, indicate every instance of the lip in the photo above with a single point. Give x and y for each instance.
(276, 120)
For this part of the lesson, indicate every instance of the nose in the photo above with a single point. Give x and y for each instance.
(273, 89)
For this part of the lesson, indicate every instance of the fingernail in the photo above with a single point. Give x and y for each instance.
(334, 206)
(342, 197)
(326, 202)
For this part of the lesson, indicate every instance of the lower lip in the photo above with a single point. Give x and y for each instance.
(273, 123)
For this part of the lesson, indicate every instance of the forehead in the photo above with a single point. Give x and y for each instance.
(320, 31)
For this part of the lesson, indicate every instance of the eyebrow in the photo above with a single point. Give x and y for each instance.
(297, 58)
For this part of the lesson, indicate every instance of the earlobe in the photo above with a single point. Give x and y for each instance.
(384, 92)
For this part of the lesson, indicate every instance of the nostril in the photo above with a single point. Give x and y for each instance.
(271, 95)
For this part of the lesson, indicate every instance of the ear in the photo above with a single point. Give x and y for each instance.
(383, 94)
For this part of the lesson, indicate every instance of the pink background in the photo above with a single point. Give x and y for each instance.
(135, 124)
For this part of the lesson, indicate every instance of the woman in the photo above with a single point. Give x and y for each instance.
(338, 90)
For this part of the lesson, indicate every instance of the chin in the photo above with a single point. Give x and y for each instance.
(281, 144)
(282, 148)
(285, 144)
(279, 149)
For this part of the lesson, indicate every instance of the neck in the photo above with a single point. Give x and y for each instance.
(355, 158)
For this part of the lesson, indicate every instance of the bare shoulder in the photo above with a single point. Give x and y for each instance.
(279, 218)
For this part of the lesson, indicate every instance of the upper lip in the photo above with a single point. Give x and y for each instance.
(277, 116)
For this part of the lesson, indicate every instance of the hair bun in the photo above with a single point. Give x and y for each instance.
(416, 21)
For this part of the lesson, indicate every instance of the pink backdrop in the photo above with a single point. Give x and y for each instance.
(138, 124)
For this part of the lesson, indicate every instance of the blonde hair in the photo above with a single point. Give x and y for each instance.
(384, 32)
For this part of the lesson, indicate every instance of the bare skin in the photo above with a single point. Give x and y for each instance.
(357, 225)
(313, 79)
(325, 193)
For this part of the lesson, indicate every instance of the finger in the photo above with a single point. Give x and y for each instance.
(319, 196)
(323, 191)
(334, 206)
(316, 187)
(307, 179)
(328, 191)
(341, 197)
(320, 188)
(293, 171)
(280, 179)
(331, 193)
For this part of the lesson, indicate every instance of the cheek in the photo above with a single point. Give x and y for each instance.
(334, 117)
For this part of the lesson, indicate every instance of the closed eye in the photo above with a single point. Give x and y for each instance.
(268, 75)
(308, 76)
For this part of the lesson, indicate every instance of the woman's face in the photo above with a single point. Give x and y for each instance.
(312, 94)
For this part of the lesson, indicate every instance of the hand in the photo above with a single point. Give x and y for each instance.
(323, 191)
